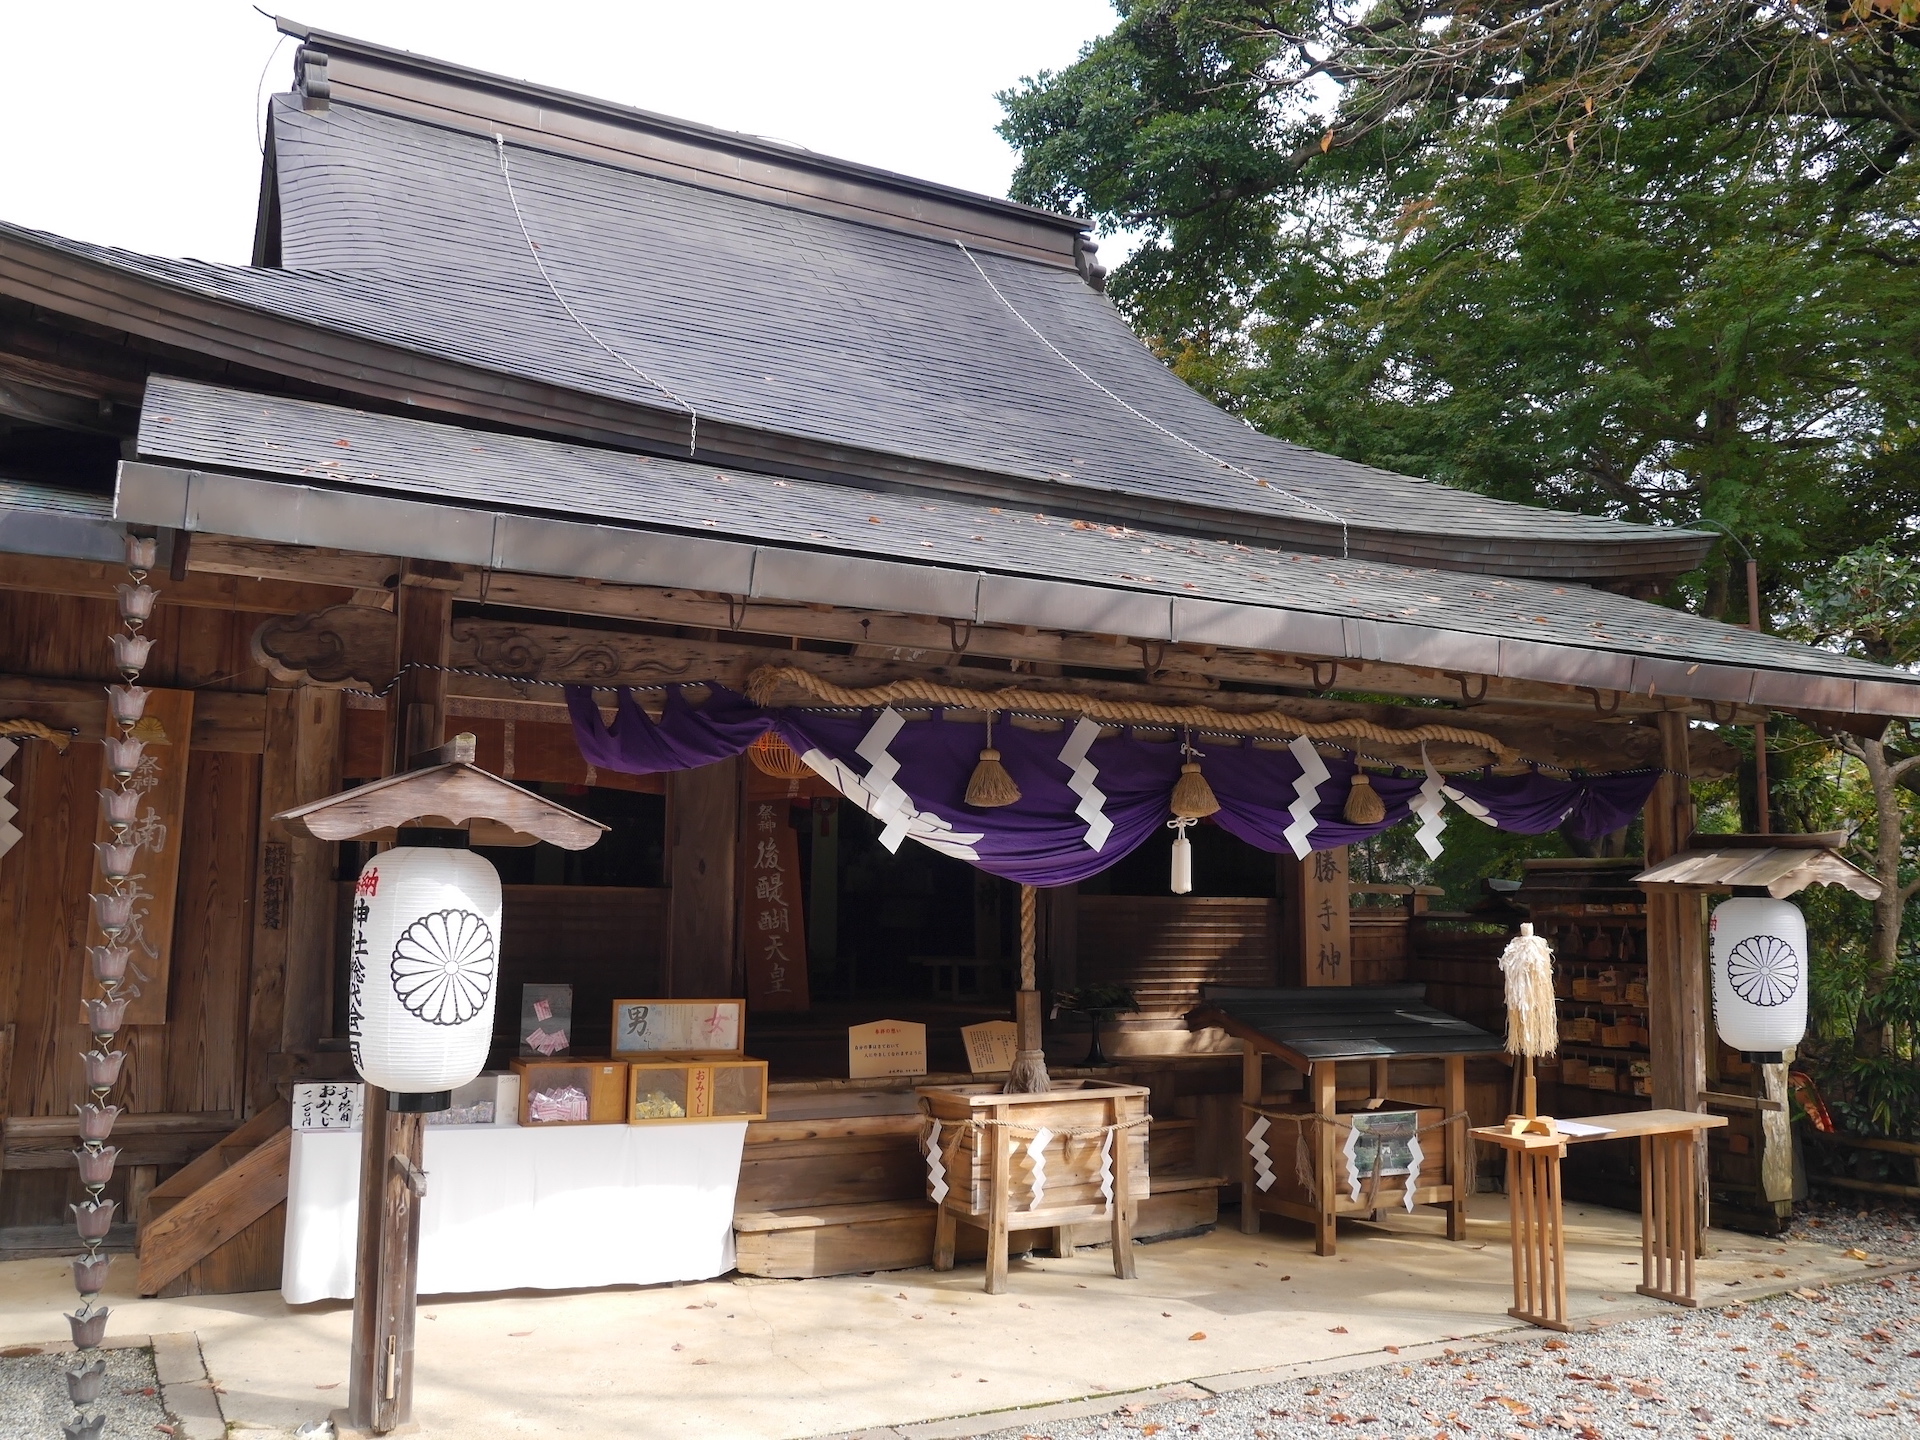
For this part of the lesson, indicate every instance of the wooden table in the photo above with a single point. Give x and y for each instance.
(1669, 1208)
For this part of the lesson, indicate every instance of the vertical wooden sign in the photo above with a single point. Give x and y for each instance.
(773, 932)
(1327, 951)
(167, 729)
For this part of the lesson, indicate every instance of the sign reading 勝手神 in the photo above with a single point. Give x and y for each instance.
(773, 933)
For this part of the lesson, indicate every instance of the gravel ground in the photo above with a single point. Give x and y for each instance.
(34, 1405)
(1838, 1363)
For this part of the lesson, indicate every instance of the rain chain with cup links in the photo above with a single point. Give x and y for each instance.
(109, 964)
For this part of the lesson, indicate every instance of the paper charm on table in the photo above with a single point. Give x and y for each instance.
(1262, 1157)
(1106, 1169)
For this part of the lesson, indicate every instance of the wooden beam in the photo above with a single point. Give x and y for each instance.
(223, 720)
(206, 591)
(347, 645)
(931, 639)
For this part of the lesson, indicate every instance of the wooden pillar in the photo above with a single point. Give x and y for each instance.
(1060, 936)
(1316, 933)
(386, 1265)
(1677, 1006)
(291, 982)
(1676, 936)
(703, 835)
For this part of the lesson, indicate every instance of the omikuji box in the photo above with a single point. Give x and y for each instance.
(572, 1092)
(662, 1091)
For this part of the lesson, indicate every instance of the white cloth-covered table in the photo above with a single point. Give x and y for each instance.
(509, 1208)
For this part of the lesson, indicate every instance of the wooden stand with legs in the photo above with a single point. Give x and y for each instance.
(1669, 1207)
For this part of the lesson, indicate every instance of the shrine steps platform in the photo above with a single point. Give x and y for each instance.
(898, 1235)
(833, 1182)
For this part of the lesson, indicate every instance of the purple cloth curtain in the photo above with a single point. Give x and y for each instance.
(914, 780)
(1040, 841)
(682, 739)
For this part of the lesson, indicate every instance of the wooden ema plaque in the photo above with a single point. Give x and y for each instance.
(886, 1047)
(991, 1046)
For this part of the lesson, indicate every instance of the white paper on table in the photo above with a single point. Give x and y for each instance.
(1580, 1128)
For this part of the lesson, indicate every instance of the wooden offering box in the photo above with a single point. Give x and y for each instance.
(984, 1146)
(667, 1091)
(551, 1091)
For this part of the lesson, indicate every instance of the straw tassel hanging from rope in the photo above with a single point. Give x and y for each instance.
(990, 786)
(1364, 805)
(1533, 1029)
(1193, 800)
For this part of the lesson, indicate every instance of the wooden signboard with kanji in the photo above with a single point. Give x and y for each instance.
(773, 932)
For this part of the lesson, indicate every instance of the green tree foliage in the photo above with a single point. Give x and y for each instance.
(1650, 258)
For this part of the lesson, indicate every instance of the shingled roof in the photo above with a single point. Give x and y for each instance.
(835, 331)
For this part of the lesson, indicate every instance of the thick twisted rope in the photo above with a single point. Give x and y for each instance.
(35, 730)
(765, 683)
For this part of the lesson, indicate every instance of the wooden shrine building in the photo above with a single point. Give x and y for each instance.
(525, 389)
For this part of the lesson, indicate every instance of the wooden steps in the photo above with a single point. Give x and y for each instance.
(218, 1226)
(898, 1234)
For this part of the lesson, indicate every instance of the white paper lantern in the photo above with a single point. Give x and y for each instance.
(1759, 975)
(425, 961)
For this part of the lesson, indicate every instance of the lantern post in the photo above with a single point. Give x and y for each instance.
(425, 966)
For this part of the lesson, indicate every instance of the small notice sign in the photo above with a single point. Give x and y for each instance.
(990, 1046)
(886, 1047)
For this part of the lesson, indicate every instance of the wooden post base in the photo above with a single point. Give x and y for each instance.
(1668, 1218)
(1539, 1238)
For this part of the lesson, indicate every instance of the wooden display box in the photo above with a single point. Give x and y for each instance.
(648, 1029)
(670, 1091)
(602, 1082)
(1288, 1196)
(984, 1134)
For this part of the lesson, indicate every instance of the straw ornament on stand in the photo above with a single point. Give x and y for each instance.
(1533, 1030)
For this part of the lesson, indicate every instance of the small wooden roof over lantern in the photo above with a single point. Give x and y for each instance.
(453, 795)
(1782, 865)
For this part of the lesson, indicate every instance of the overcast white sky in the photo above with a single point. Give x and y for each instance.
(135, 122)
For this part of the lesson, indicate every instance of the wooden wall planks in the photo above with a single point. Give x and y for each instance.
(214, 927)
(195, 1062)
(1167, 946)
